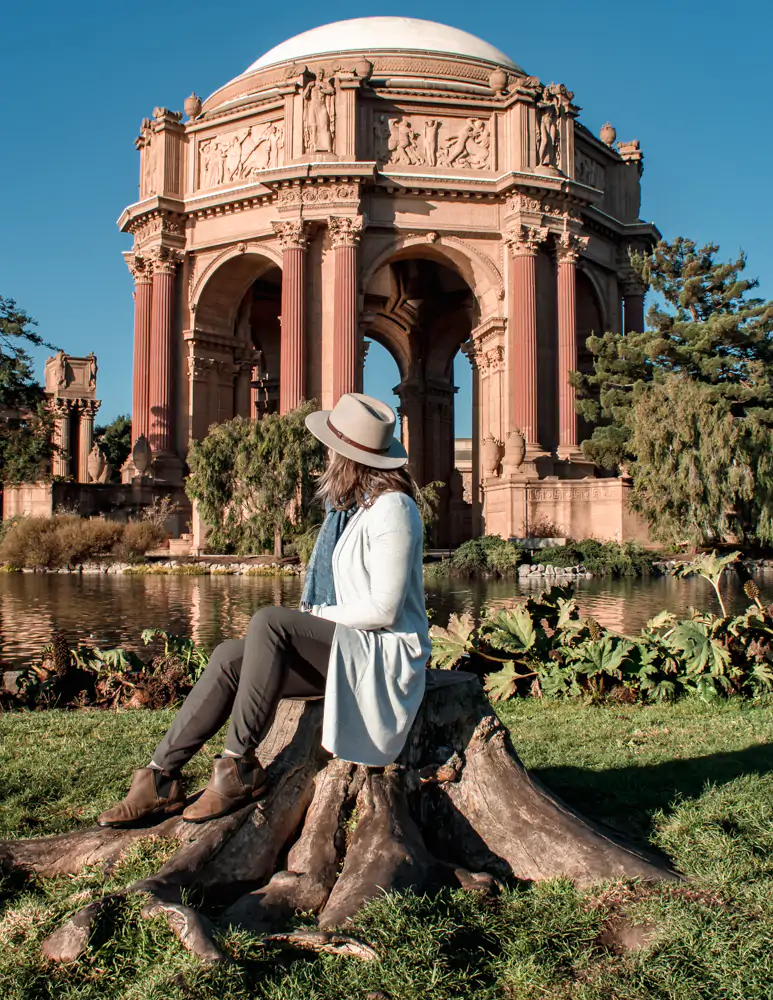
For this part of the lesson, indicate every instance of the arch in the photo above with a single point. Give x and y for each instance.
(220, 288)
(586, 269)
(477, 269)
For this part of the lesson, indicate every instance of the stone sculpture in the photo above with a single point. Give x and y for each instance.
(319, 114)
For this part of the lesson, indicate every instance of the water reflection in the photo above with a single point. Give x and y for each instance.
(113, 610)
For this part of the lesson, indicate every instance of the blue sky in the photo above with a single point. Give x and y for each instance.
(688, 78)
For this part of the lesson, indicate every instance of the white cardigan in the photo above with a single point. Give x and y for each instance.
(376, 674)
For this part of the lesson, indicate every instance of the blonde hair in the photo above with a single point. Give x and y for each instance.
(346, 483)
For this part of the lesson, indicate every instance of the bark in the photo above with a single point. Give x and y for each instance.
(458, 808)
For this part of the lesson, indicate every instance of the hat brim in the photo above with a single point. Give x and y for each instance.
(395, 456)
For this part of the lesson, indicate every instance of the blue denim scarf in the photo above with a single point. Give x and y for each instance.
(319, 587)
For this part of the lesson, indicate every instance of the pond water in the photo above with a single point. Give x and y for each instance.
(113, 610)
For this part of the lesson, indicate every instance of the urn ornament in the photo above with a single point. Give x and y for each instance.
(192, 106)
(491, 456)
(95, 464)
(608, 133)
(142, 455)
(497, 80)
(515, 451)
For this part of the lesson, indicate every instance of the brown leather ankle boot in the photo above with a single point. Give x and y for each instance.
(235, 781)
(152, 792)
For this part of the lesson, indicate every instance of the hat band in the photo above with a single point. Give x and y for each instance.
(355, 444)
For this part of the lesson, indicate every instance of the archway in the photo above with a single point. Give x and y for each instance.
(235, 344)
(590, 320)
(422, 309)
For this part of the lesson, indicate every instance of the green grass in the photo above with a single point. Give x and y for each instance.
(695, 781)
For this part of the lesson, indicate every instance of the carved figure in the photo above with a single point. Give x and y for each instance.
(60, 370)
(431, 126)
(547, 136)
(381, 133)
(319, 114)
(92, 370)
(402, 143)
(149, 165)
(241, 155)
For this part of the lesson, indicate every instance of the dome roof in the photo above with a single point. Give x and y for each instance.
(373, 34)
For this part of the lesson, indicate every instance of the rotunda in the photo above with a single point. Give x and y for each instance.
(400, 181)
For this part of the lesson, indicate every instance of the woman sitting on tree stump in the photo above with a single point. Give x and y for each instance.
(360, 639)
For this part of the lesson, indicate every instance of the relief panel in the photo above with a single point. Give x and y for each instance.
(423, 141)
(238, 156)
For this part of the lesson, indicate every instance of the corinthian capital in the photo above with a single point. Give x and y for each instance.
(163, 260)
(139, 267)
(293, 234)
(569, 246)
(525, 241)
(345, 230)
(89, 407)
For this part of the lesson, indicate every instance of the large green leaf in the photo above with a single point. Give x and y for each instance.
(700, 652)
(603, 656)
(511, 631)
(450, 645)
(503, 684)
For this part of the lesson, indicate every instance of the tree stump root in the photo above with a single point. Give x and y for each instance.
(457, 809)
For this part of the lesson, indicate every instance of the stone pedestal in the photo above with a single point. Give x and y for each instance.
(345, 235)
(585, 508)
(293, 236)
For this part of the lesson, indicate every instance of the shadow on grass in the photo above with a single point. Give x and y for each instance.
(626, 798)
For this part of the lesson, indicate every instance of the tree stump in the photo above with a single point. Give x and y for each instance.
(457, 809)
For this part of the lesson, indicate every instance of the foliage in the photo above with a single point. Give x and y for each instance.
(698, 782)
(109, 678)
(600, 558)
(687, 406)
(543, 640)
(488, 555)
(254, 480)
(115, 440)
(304, 543)
(69, 540)
(25, 422)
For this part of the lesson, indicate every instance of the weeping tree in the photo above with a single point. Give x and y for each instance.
(254, 480)
(686, 407)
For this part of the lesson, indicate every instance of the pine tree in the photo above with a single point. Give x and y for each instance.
(687, 406)
(25, 423)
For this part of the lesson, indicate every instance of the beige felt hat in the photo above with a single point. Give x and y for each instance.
(361, 428)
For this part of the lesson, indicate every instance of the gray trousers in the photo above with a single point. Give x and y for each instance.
(284, 654)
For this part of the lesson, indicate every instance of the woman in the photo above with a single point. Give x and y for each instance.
(360, 638)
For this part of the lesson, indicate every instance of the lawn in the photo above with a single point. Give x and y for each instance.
(697, 782)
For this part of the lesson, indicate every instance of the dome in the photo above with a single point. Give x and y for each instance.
(373, 34)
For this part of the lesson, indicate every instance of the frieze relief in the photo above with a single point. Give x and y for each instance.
(588, 171)
(570, 493)
(317, 194)
(240, 155)
(432, 142)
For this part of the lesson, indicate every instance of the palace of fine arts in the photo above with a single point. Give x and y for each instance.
(386, 503)
(405, 182)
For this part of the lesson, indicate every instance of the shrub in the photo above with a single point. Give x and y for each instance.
(303, 544)
(68, 540)
(138, 538)
(542, 647)
(488, 555)
(601, 558)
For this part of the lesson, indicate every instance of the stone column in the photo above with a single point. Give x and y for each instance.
(568, 248)
(293, 236)
(345, 233)
(523, 243)
(633, 307)
(142, 273)
(161, 430)
(61, 409)
(88, 409)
